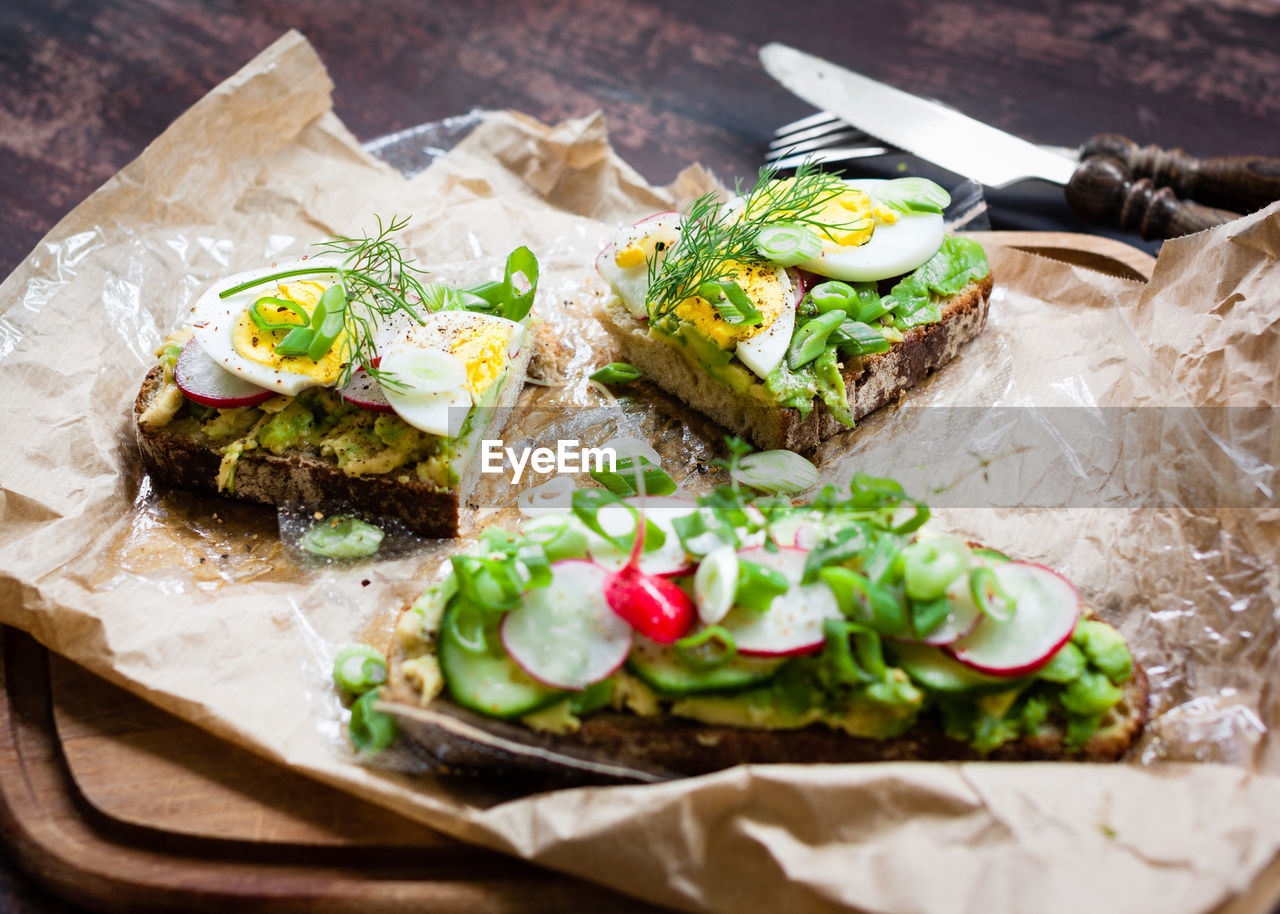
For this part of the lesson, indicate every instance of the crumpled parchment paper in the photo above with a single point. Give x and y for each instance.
(1161, 510)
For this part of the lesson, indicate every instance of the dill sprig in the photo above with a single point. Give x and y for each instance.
(714, 234)
(379, 280)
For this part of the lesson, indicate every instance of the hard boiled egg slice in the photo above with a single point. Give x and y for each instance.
(624, 263)
(223, 329)
(897, 243)
(446, 364)
(765, 351)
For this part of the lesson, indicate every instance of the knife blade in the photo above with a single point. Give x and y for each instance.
(926, 128)
(1099, 188)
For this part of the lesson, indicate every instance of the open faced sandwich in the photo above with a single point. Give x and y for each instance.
(792, 311)
(677, 636)
(340, 378)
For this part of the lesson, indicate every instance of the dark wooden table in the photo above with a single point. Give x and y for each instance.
(84, 85)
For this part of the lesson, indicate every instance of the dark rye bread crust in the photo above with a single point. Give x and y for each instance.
(672, 746)
(289, 478)
(870, 381)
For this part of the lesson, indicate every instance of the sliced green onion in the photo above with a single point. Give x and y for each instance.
(913, 195)
(865, 601)
(328, 320)
(927, 615)
(359, 668)
(618, 373)
(704, 531)
(758, 585)
(864, 662)
(621, 481)
(931, 566)
(715, 584)
(501, 297)
(811, 339)
(262, 280)
(856, 338)
(991, 598)
(467, 626)
(788, 244)
(262, 322)
(833, 296)
(424, 371)
(560, 536)
(732, 303)
(342, 537)
(776, 472)
(371, 730)
(534, 565)
(297, 343)
(586, 506)
(708, 649)
(491, 584)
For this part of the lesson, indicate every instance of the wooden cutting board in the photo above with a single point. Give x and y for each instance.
(117, 805)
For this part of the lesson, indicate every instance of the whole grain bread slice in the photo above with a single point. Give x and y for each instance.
(870, 381)
(667, 746)
(309, 479)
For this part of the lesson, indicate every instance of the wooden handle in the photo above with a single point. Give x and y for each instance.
(1240, 183)
(1103, 190)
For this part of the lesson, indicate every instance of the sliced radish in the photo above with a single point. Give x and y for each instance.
(715, 583)
(655, 606)
(1046, 614)
(565, 635)
(793, 622)
(631, 283)
(617, 521)
(365, 392)
(204, 381)
(961, 620)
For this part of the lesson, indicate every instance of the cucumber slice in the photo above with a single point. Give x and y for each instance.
(934, 669)
(490, 683)
(658, 667)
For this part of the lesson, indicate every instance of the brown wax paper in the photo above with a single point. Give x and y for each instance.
(1116, 431)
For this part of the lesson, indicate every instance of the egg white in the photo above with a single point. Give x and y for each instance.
(765, 351)
(213, 320)
(441, 413)
(631, 284)
(893, 249)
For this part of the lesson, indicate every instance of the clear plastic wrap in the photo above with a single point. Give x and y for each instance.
(197, 604)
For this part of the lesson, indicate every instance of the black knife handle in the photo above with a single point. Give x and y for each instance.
(1241, 183)
(1103, 190)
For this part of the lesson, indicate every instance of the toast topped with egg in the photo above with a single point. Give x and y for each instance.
(667, 636)
(340, 379)
(794, 310)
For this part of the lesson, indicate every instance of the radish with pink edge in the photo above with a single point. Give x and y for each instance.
(363, 391)
(1046, 609)
(793, 623)
(566, 635)
(204, 381)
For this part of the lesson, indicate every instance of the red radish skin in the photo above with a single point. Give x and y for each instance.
(653, 605)
(204, 381)
(366, 393)
(1050, 623)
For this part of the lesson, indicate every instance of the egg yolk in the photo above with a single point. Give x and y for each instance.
(848, 219)
(762, 285)
(259, 345)
(483, 349)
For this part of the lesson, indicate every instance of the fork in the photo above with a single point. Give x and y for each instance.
(823, 137)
